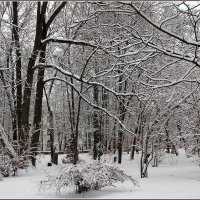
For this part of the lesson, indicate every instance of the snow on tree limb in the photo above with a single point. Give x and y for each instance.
(159, 27)
(189, 57)
(78, 78)
(171, 83)
(68, 41)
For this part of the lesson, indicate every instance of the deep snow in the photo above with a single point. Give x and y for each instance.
(176, 177)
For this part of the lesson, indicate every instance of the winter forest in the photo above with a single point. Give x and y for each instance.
(100, 99)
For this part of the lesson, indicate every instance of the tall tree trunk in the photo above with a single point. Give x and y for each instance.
(137, 132)
(70, 147)
(38, 104)
(50, 129)
(41, 10)
(72, 143)
(40, 84)
(96, 125)
(74, 135)
(37, 119)
(122, 112)
(18, 70)
(167, 138)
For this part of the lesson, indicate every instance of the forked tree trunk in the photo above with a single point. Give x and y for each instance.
(41, 10)
(37, 120)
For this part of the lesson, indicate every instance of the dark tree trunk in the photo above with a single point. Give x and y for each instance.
(167, 138)
(54, 158)
(122, 112)
(114, 137)
(96, 125)
(37, 119)
(38, 104)
(51, 133)
(120, 146)
(40, 84)
(18, 71)
(30, 72)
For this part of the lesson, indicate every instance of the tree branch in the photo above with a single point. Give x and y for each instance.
(55, 13)
(159, 27)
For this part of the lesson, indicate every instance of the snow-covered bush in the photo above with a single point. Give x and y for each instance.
(82, 177)
(10, 166)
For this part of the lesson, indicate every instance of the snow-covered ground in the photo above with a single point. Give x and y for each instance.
(176, 177)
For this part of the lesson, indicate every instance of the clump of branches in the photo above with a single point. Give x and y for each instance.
(85, 177)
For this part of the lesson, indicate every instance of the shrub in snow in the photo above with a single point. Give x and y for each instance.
(10, 166)
(84, 177)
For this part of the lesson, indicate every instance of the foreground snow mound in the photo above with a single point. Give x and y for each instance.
(83, 177)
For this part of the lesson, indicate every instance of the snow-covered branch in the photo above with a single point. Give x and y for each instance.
(92, 104)
(78, 78)
(170, 84)
(68, 41)
(164, 30)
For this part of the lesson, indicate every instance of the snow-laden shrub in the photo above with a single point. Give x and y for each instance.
(10, 166)
(84, 177)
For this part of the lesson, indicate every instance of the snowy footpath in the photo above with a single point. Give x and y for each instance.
(176, 177)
